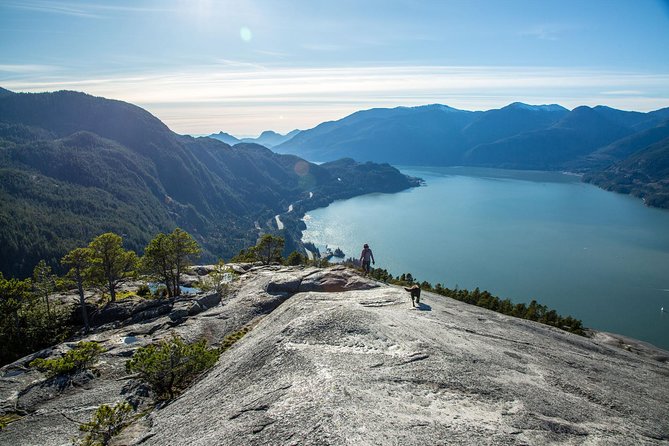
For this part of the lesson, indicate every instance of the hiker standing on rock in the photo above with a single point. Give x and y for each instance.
(365, 256)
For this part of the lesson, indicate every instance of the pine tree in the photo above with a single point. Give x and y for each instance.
(184, 249)
(110, 262)
(79, 261)
(269, 249)
(167, 256)
(44, 283)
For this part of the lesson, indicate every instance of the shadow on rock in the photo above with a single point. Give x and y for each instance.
(423, 307)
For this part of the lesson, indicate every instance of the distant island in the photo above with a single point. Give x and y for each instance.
(329, 253)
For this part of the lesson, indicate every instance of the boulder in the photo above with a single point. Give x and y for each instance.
(284, 284)
(152, 312)
(180, 311)
(335, 280)
(202, 270)
(112, 312)
(208, 300)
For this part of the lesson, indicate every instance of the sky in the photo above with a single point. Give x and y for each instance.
(244, 66)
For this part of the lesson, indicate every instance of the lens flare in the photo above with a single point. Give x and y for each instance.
(301, 168)
(245, 34)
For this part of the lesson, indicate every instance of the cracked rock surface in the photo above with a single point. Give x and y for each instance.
(354, 364)
(337, 359)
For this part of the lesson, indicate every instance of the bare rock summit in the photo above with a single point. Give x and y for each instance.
(334, 358)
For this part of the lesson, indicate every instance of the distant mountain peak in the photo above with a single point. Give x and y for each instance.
(225, 137)
(5, 92)
(542, 107)
(268, 138)
(440, 107)
(270, 133)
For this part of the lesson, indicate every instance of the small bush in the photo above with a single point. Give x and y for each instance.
(169, 366)
(8, 418)
(160, 292)
(295, 258)
(120, 295)
(218, 280)
(79, 358)
(143, 290)
(105, 423)
(230, 339)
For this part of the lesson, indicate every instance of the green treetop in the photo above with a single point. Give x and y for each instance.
(167, 256)
(110, 262)
(269, 249)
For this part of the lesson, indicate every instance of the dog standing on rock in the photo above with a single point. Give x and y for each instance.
(415, 294)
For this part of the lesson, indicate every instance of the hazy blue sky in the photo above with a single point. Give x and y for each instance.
(245, 66)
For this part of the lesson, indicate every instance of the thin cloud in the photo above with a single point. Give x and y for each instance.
(277, 54)
(26, 68)
(546, 31)
(85, 10)
(55, 8)
(322, 47)
(624, 92)
(238, 64)
(192, 101)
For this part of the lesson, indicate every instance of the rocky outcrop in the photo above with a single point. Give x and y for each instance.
(335, 358)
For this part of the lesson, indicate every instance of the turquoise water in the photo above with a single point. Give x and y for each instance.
(599, 256)
(184, 289)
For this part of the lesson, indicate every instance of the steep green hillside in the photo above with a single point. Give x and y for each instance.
(625, 147)
(73, 166)
(577, 134)
(644, 174)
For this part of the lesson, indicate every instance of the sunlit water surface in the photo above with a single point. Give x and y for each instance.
(599, 256)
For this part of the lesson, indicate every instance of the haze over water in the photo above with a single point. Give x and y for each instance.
(599, 256)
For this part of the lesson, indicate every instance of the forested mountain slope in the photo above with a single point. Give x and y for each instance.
(645, 174)
(518, 136)
(73, 166)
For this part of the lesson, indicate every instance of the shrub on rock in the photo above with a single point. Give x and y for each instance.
(105, 423)
(79, 358)
(169, 366)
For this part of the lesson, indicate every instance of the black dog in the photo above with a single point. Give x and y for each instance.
(415, 294)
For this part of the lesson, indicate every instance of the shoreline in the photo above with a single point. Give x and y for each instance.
(326, 222)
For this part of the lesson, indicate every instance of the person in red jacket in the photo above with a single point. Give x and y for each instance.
(365, 256)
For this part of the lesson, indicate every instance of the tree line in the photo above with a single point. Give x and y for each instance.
(532, 311)
(31, 319)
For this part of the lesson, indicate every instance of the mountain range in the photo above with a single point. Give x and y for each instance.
(268, 138)
(73, 166)
(516, 136)
(588, 140)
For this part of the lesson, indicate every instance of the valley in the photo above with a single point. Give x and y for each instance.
(73, 166)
